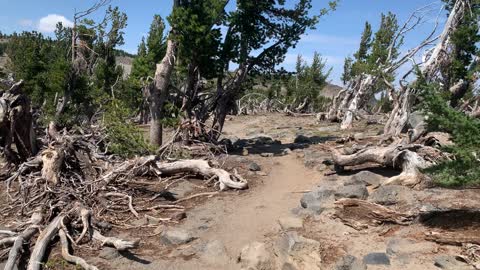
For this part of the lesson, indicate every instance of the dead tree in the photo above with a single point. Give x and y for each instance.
(16, 124)
(349, 101)
(430, 69)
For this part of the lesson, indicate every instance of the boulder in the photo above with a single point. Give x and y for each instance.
(392, 194)
(352, 192)
(302, 139)
(349, 262)
(256, 256)
(214, 252)
(297, 252)
(401, 246)
(175, 237)
(318, 200)
(365, 177)
(451, 263)
(376, 258)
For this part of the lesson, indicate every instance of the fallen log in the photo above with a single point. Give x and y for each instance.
(352, 211)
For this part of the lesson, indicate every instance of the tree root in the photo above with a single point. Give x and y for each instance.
(202, 167)
(70, 258)
(410, 158)
(117, 243)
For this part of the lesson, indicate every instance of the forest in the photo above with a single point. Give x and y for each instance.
(101, 148)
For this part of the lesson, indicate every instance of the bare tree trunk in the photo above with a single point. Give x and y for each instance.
(157, 93)
(360, 93)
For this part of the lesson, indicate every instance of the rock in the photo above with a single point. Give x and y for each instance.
(318, 200)
(359, 136)
(391, 194)
(266, 154)
(256, 256)
(349, 262)
(321, 167)
(376, 259)
(365, 177)
(175, 237)
(178, 216)
(254, 167)
(182, 188)
(302, 139)
(313, 158)
(286, 151)
(297, 252)
(402, 246)
(244, 152)
(159, 229)
(109, 253)
(214, 252)
(289, 223)
(451, 263)
(261, 139)
(352, 192)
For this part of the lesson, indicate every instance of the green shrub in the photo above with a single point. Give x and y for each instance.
(124, 137)
(464, 168)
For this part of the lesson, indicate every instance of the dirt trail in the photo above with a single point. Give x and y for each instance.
(239, 220)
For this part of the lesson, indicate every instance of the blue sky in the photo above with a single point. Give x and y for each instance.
(337, 35)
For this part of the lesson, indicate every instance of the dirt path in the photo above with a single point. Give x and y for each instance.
(239, 220)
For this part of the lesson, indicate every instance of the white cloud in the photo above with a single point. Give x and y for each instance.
(48, 23)
(25, 23)
(327, 39)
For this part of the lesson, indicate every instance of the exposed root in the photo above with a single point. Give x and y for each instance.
(203, 168)
(410, 158)
(43, 240)
(25, 236)
(452, 238)
(117, 243)
(70, 258)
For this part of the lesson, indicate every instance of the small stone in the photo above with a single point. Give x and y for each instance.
(349, 262)
(321, 167)
(451, 263)
(359, 136)
(178, 216)
(289, 223)
(244, 152)
(140, 222)
(266, 154)
(254, 167)
(352, 192)
(109, 253)
(261, 173)
(376, 259)
(256, 256)
(175, 237)
(402, 246)
(286, 151)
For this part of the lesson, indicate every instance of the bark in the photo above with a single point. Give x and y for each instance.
(16, 124)
(157, 93)
(359, 95)
(47, 235)
(430, 70)
(352, 210)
